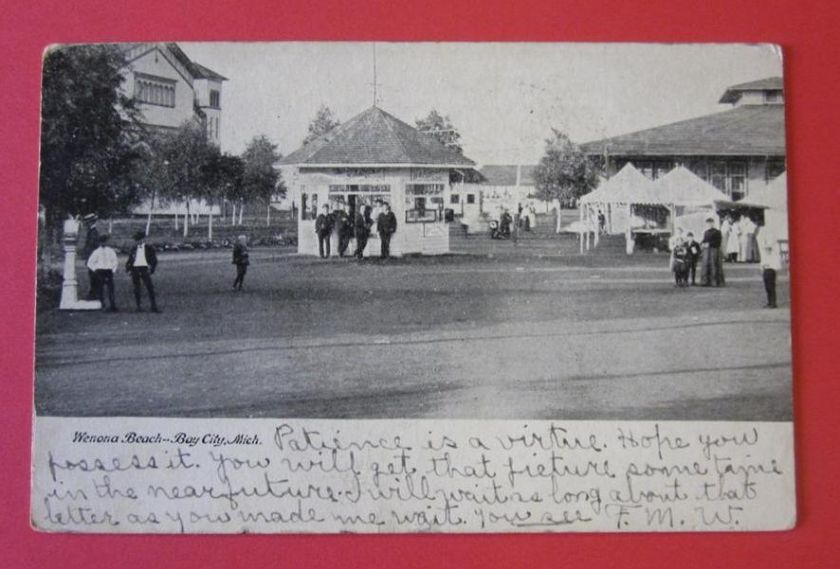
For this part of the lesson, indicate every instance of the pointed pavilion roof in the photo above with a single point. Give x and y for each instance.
(681, 186)
(774, 196)
(376, 138)
(627, 186)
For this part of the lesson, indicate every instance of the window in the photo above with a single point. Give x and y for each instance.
(470, 198)
(304, 212)
(645, 168)
(360, 188)
(154, 90)
(417, 200)
(661, 168)
(774, 169)
(737, 180)
(454, 199)
(773, 97)
(700, 168)
(718, 176)
(215, 99)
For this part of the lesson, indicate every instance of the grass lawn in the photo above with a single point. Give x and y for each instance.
(462, 336)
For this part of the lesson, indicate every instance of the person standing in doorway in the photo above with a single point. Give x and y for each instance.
(343, 229)
(240, 259)
(733, 241)
(386, 226)
(103, 264)
(712, 269)
(323, 228)
(362, 227)
(141, 264)
(771, 263)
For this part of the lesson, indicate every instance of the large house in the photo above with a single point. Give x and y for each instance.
(737, 150)
(170, 90)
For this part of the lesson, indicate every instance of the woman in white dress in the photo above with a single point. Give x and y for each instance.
(746, 250)
(733, 242)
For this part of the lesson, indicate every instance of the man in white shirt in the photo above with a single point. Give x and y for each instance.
(102, 263)
(771, 261)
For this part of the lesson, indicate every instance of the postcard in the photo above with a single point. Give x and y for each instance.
(412, 287)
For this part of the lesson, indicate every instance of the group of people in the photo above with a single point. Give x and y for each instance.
(738, 239)
(711, 251)
(102, 265)
(358, 225)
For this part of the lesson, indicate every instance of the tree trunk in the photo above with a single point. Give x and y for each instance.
(210, 226)
(176, 220)
(268, 215)
(187, 220)
(233, 213)
(241, 211)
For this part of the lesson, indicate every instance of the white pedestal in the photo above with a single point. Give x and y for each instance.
(70, 286)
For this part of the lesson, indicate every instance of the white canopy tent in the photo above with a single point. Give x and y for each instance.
(634, 204)
(691, 198)
(615, 196)
(773, 197)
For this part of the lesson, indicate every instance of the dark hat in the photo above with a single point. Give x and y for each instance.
(139, 235)
(712, 219)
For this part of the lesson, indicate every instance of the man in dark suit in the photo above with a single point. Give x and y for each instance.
(362, 226)
(386, 226)
(712, 269)
(323, 228)
(343, 229)
(141, 264)
(695, 252)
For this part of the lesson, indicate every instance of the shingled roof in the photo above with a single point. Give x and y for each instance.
(748, 130)
(505, 174)
(376, 138)
(196, 69)
(733, 93)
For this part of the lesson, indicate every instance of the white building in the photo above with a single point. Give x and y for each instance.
(375, 157)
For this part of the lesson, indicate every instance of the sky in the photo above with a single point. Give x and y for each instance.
(503, 98)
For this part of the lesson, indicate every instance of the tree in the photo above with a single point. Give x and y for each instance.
(564, 172)
(260, 179)
(323, 122)
(89, 135)
(441, 128)
(184, 162)
(225, 177)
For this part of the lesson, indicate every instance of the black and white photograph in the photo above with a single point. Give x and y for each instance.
(380, 287)
(360, 230)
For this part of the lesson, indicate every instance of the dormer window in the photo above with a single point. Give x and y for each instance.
(215, 99)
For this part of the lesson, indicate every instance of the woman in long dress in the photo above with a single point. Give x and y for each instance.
(746, 252)
(733, 242)
(725, 230)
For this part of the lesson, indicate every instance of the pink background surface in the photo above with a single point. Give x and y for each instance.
(810, 35)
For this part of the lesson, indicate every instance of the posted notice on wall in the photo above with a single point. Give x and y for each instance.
(152, 475)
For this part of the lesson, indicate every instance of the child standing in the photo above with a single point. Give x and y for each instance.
(694, 252)
(240, 259)
(680, 263)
